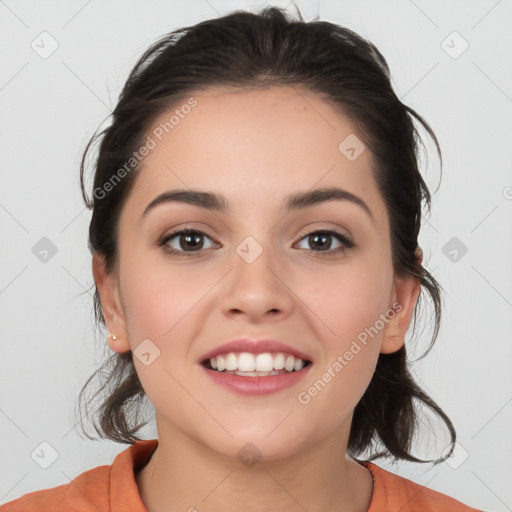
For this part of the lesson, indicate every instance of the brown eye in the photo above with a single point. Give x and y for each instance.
(188, 241)
(322, 240)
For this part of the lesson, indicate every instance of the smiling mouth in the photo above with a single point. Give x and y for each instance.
(255, 365)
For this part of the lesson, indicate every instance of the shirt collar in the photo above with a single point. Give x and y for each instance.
(124, 492)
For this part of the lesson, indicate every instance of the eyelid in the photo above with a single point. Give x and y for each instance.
(177, 231)
(304, 232)
(345, 241)
(336, 228)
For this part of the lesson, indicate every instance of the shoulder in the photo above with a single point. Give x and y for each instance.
(399, 493)
(89, 491)
(104, 488)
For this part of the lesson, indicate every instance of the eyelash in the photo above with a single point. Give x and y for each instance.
(347, 244)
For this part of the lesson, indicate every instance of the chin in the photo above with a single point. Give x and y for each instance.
(254, 446)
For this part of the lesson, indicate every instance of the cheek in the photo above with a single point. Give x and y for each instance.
(348, 301)
(348, 306)
(162, 305)
(158, 297)
(166, 305)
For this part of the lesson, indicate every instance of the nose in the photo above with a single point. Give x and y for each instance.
(258, 289)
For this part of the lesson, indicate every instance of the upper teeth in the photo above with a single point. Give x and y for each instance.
(247, 362)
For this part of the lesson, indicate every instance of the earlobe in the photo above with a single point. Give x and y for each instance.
(113, 314)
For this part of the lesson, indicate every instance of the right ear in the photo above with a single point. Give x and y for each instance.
(108, 290)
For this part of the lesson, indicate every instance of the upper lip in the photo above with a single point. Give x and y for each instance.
(254, 347)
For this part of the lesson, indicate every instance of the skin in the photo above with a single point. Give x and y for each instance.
(255, 148)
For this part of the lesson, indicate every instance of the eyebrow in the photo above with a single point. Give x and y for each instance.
(295, 201)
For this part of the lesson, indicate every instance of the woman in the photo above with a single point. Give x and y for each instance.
(256, 211)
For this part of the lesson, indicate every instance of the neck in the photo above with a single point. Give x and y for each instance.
(184, 475)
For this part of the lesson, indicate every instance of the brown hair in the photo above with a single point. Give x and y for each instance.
(249, 50)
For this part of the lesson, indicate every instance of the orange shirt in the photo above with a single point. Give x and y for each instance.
(114, 489)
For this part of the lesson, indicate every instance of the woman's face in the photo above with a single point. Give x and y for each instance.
(254, 271)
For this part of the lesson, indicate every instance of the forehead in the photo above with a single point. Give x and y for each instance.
(253, 146)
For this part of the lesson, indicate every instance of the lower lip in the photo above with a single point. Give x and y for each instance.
(257, 385)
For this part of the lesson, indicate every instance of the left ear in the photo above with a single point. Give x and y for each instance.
(406, 292)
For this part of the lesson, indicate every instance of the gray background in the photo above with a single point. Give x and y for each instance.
(51, 106)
